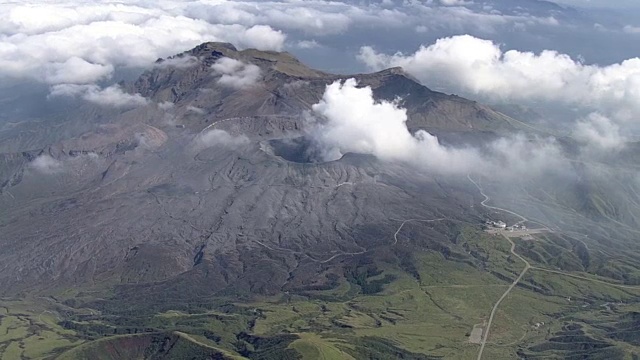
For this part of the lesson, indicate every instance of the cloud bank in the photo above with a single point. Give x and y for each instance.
(480, 67)
(47, 39)
(354, 122)
(348, 119)
(109, 96)
(82, 42)
(60, 42)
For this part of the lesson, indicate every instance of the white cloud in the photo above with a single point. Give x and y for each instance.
(325, 18)
(599, 132)
(261, 37)
(81, 43)
(296, 84)
(218, 137)
(180, 62)
(76, 71)
(165, 105)
(109, 96)
(195, 109)
(460, 19)
(348, 119)
(319, 18)
(351, 121)
(455, 2)
(480, 67)
(631, 29)
(46, 164)
(307, 44)
(47, 39)
(522, 157)
(236, 74)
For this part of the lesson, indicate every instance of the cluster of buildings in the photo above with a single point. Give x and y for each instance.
(517, 227)
(496, 224)
(503, 226)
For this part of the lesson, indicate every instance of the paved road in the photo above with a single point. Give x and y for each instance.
(527, 266)
(243, 118)
(516, 233)
(395, 236)
(487, 198)
(622, 286)
(395, 241)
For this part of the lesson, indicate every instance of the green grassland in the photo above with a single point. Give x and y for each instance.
(174, 345)
(313, 346)
(434, 314)
(29, 330)
(382, 309)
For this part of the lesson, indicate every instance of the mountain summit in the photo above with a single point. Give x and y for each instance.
(285, 86)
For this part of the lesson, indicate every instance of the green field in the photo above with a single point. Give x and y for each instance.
(29, 330)
(313, 346)
(384, 310)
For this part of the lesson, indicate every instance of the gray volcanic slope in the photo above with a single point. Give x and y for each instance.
(136, 203)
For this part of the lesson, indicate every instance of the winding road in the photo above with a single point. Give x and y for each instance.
(213, 124)
(487, 198)
(395, 241)
(395, 236)
(527, 267)
(620, 286)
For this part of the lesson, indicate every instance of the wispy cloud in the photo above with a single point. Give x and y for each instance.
(599, 132)
(109, 96)
(236, 74)
(46, 164)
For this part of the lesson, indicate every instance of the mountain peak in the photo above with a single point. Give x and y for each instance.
(390, 73)
(398, 70)
(212, 46)
(283, 62)
(274, 93)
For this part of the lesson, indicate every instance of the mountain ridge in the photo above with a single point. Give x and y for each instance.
(275, 95)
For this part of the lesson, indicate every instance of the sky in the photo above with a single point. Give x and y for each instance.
(618, 4)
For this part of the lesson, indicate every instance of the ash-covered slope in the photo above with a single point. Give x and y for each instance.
(221, 220)
(140, 201)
